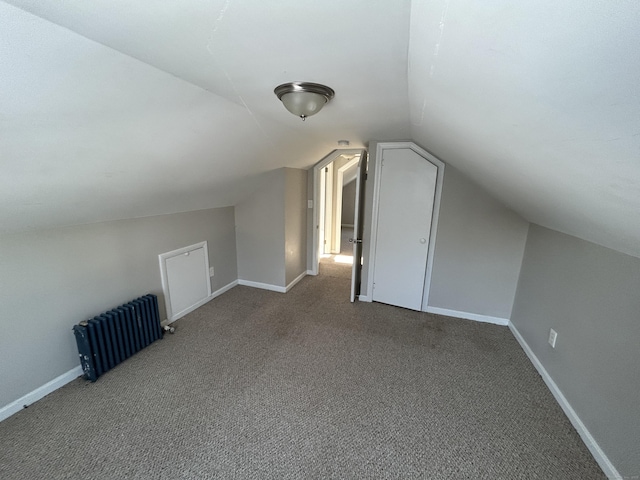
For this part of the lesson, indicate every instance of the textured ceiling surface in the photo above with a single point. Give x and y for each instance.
(539, 102)
(114, 109)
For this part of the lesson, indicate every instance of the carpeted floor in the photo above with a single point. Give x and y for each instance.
(328, 264)
(258, 385)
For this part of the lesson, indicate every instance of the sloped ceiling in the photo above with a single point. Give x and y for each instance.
(114, 109)
(539, 102)
(117, 109)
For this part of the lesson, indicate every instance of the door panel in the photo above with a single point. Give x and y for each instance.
(358, 227)
(405, 209)
(187, 277)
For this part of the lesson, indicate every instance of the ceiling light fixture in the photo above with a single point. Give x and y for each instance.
(304, 99)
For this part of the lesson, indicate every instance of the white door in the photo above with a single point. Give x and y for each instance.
(405, 210)
(358, 229)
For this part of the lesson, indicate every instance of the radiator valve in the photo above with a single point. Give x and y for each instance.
(168, 328)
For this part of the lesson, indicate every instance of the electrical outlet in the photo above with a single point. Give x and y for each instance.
(211, 271)
(553, 335)
(309, 203)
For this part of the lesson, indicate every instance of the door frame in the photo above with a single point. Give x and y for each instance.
(337, 218)
(381, 147)
(327, 171)
(317, 168)
(322, 205)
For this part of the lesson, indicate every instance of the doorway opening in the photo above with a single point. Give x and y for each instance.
(336, 182)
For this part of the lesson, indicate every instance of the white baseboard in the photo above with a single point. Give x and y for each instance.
(275, 288)
(38, 393)
(215, 294)
(600, 457)
(311, 272)
(227, 287)
(295, 280)
(47, 388)
(263, 286)
(468, 316)
(364, 298)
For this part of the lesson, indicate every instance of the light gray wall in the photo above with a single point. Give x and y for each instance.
(260, 231)
(53, 279)
(478, 251)
(295, 216)
(348, 203)
(334, 243)
(591, 296)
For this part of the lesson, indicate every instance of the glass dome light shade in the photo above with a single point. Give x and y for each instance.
(304, 99)
(303, 104)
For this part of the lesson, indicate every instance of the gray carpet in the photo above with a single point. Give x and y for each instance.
(328, 265)
(258, 384)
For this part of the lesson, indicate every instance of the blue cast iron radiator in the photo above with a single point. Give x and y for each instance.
(109, 339)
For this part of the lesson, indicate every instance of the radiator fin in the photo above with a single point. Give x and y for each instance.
(110, 338)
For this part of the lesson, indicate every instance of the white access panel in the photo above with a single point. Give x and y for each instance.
(185, 278)
(405, 210)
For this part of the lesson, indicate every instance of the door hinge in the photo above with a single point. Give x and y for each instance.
(326, 169)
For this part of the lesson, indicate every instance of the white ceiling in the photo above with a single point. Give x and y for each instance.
(114, 109)
(539, 102)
